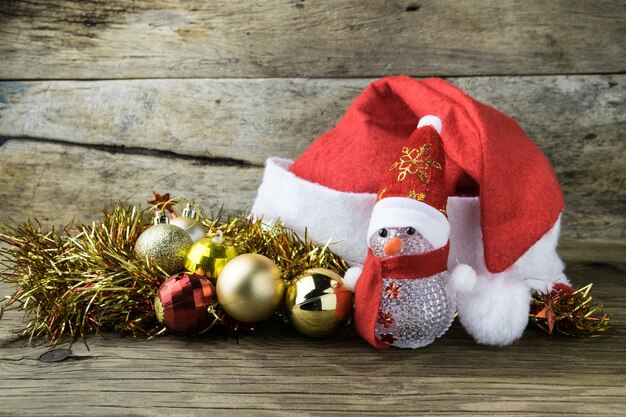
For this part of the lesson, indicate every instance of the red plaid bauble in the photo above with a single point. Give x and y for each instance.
(182, 303)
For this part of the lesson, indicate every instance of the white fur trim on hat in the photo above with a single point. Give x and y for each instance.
(344, 218)
(405, 212)
(328, 214)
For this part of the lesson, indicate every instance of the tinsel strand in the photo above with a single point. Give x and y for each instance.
(570, 312)
(84, 279)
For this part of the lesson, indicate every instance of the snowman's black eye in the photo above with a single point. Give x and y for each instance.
(383, 233)
(410, 231)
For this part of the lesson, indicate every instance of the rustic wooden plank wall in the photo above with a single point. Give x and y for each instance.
(95, 39)
(208, 138)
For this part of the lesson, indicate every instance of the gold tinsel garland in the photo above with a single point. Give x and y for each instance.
(569, 312)
(82, 279)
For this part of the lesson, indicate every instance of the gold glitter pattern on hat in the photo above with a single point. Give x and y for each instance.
(416, 161)
(417, 196)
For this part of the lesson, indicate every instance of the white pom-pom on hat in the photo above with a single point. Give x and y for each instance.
(431, 120)
(352, 276)
(496, 312)
(462, 279)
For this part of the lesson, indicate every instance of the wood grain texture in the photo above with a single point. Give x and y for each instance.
(245, 120)
(57, 184)
(95, 39)
(277, 372)
(578, 121)
(186, 97)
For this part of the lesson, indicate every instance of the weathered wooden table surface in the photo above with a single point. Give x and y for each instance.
(274, 371)
(108, 100)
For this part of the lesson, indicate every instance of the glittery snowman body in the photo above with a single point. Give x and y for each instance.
(412, 312)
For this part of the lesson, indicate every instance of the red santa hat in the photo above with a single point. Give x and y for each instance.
(331, 189)
(413, 190)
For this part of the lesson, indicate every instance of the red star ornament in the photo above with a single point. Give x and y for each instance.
(163, 202)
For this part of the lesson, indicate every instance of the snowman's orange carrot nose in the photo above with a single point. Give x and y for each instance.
(393, 246)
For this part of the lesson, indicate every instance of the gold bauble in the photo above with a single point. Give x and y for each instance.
(250, 288)
(318, 303)
(208, 256)
(191, 225)
(165, 245)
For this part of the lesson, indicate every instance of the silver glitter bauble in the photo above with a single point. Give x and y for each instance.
(165, 245)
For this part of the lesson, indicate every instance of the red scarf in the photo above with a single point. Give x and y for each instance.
(369, 286)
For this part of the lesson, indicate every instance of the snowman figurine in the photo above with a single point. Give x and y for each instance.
(404, 295)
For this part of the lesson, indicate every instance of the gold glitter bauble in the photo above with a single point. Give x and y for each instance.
(165, 245)
(250, 288)
(318, 303)
(208, 256)
(191, 225)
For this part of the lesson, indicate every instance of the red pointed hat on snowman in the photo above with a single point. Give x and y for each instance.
(331, 190)
(413, 190)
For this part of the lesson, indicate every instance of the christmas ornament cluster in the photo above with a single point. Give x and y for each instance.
(212, 281)
(421, 205)
(152, 271)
